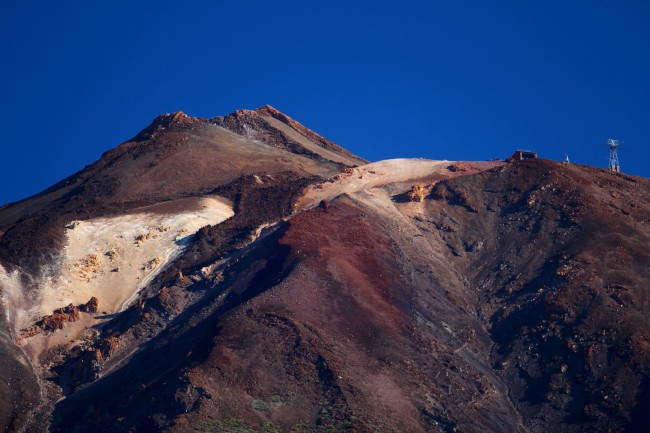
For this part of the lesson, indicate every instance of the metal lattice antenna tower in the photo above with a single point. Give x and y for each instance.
(613, 155)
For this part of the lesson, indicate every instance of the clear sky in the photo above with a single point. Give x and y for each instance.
(458, 80)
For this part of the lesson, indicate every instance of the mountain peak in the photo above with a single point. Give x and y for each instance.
(170, 118)
(273, 127)
(165, 121)
(267, 109)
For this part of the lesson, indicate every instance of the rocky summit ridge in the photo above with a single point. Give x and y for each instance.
(244, 274)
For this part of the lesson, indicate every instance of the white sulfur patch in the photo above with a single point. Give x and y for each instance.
(111, 258)
(12, 295)
(369, 176)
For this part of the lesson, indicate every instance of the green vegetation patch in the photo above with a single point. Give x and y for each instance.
(225, 426)
(235, 426)
(261, 405)
(276, 399)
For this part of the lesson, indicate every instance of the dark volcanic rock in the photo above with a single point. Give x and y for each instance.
(561, 282)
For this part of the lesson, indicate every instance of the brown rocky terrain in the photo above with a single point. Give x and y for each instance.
(59, 317)
(327, 294)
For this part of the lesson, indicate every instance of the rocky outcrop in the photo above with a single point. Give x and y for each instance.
(165, 122)
(91, 306)
(255, 124)
(419, 191)
(60, 317)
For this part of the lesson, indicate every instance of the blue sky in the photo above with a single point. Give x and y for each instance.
(436, 79)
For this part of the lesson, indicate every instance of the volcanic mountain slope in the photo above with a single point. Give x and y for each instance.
(109, 229)
(323, 294)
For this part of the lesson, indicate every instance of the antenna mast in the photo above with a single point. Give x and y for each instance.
(613, 155)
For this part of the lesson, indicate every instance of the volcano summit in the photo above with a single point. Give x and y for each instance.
(244, 274)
